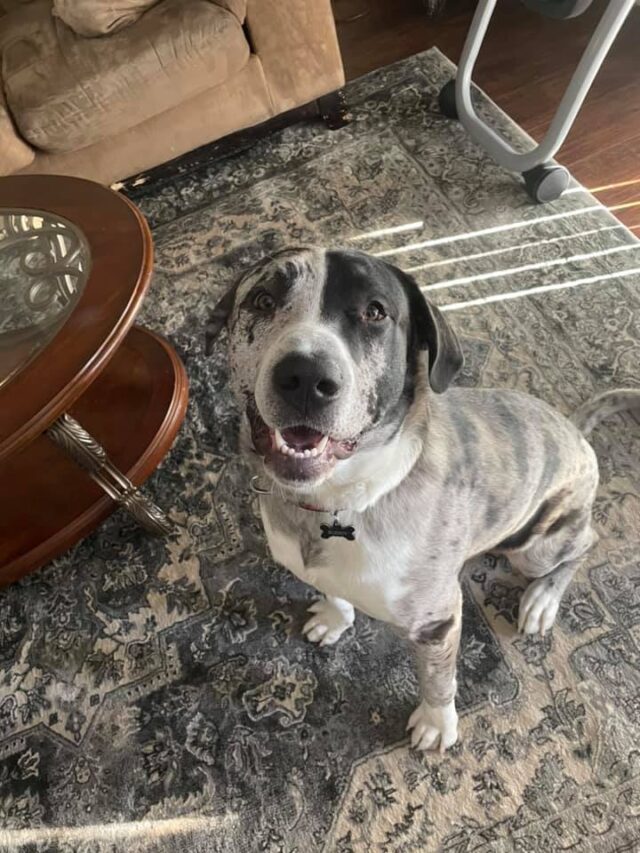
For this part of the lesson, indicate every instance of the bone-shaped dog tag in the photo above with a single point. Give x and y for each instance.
(342, 531)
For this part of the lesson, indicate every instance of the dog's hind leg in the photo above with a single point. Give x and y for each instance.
(550, 564)
(541, 599)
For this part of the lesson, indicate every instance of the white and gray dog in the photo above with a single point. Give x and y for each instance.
(378, 480)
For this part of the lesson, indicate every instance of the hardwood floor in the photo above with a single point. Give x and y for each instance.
(524, 65)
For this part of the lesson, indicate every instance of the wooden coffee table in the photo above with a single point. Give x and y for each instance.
(89, 406)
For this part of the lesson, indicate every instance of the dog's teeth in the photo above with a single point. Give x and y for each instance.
(283, 447)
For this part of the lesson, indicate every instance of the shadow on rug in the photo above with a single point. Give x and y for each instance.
(156, 695)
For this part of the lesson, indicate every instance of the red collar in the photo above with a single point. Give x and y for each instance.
(312, 508)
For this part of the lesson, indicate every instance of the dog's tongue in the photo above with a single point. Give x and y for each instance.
(302, 438)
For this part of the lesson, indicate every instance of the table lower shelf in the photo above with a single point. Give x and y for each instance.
(134, 410)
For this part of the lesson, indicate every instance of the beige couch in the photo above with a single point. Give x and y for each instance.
(184, 73)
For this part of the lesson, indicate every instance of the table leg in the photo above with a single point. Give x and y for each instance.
(71, 436)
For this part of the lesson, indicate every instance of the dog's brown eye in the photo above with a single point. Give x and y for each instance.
(375, 312)
(264, 302)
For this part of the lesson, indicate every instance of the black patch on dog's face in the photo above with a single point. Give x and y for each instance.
(355, 285)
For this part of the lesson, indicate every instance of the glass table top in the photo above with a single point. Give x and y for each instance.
(44, 266)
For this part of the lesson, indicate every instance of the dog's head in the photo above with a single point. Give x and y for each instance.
(325, 351)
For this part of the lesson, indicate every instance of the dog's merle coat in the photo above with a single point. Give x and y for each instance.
(343, 350)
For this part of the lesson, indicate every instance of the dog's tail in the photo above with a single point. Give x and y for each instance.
(590, 414)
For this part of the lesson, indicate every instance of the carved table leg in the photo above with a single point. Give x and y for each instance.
(71, 436)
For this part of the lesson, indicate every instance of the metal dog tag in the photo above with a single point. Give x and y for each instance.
(336, 529)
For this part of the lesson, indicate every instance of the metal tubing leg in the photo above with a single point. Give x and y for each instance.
(73, 438)
(589, 65)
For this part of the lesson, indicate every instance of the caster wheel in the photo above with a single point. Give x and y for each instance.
(447, 100)
(546, 183)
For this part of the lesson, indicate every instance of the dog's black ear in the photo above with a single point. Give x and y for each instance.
(432, 332)
(218, 318)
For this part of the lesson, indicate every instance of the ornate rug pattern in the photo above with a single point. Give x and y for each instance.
(156, 694)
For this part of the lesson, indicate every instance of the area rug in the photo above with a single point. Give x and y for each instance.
(156, 694)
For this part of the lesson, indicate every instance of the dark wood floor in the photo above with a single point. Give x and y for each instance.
(524, 66)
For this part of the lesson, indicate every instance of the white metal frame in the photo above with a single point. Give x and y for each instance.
(589, 65)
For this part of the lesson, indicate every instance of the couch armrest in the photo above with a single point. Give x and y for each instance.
(14, 151)
(297, 45)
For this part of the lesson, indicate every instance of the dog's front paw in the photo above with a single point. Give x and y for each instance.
(434, 727)
(538, 607)
(331, 620)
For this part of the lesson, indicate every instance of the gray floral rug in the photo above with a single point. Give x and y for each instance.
(156, 695)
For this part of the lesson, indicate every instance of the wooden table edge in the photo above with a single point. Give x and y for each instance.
(39, 422)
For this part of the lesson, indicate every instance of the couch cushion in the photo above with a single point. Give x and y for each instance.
(14, 151)
(100, 17)
(241, 101)
(66, 91)
(238, 7)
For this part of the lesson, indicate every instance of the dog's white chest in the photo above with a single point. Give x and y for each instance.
(351, 570)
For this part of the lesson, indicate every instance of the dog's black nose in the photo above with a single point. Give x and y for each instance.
(307, 382)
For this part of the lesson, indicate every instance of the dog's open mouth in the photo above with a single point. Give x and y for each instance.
(297, 454)
(301, 442)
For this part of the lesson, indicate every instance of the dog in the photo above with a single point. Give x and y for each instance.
(378, 480)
